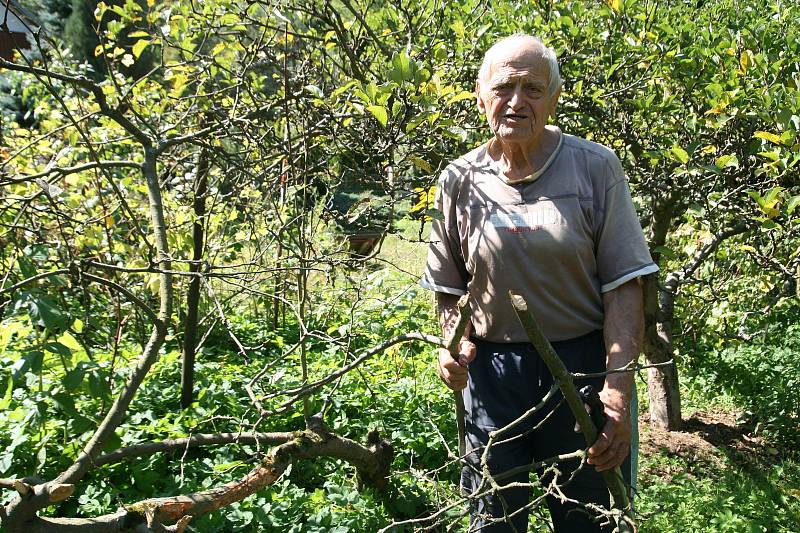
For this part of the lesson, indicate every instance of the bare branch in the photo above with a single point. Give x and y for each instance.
(58, 171)
(305, 389)
(34, 278)
(209, 439)
(128, 294)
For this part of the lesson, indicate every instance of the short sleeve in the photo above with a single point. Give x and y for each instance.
(445, 270)
(622, 252)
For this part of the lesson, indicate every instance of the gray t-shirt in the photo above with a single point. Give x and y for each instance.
(560, 240)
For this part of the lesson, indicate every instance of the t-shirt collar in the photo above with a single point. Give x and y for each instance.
(533, 177)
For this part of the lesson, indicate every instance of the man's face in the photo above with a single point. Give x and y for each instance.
(515, 98)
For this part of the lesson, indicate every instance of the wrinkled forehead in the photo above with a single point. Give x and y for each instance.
(518, 60)
(519, 70)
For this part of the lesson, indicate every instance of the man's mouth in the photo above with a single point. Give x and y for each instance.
(514, 116)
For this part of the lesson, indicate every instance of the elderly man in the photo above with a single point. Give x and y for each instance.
(549, 216)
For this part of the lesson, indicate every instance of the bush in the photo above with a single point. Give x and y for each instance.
(765, 378)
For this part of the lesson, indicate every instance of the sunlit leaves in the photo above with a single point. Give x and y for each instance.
(768, 136)
(680, 154)
(139, 47)
(380, 113)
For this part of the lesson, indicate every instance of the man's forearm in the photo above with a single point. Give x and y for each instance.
(447, 311)
(623, 331)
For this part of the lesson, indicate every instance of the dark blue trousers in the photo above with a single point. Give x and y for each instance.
(505, 381)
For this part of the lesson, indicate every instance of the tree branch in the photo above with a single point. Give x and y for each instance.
(613, 478)
(71, 170)
(204, 439)
(128, 294)
(372, 462)
(677, 277)
(32, 279)
(305, 389)
(95, 89)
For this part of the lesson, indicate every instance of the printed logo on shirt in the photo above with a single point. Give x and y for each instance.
(524, 222)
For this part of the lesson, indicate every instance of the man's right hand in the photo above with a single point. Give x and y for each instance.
(454, 371)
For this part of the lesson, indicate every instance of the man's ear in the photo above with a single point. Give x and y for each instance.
(481, 107)
(554, 103)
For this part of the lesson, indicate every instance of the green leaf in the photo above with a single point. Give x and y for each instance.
(680, 154)
(31, 360)
(421, 163)
(772, 197)
(45, 312)
(343, 88)
(139, 47)
(223, 467)
(73, 379)
(665, 251)
(729, 160)
(380, 113)
(113, 442)
(463, 95)
(769, 224)
(36, 252)
(403, 68)
(771, 137)
(792, 204)
(416, 121)
(316, 91)
(757, 197)
(5, 402)
(98, 385)
(58, 348)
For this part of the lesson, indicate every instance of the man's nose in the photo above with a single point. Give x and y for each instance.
(516, 97)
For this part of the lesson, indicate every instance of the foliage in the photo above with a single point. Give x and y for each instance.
(292, 107)
(727, 499)
(762, 377)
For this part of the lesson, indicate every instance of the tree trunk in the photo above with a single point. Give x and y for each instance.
(193, 295)
(662, 381)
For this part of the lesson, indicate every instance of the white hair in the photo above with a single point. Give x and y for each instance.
(546, 53)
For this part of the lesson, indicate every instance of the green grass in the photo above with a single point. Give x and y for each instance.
(728, 499)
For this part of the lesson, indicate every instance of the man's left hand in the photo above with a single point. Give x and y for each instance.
(614, 441)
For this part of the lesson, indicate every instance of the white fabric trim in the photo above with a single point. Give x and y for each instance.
(649, 269)
(425, 284)
(536, 174)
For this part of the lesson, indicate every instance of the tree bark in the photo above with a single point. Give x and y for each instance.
(193, 295)
(662, 381)
(372, 463)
